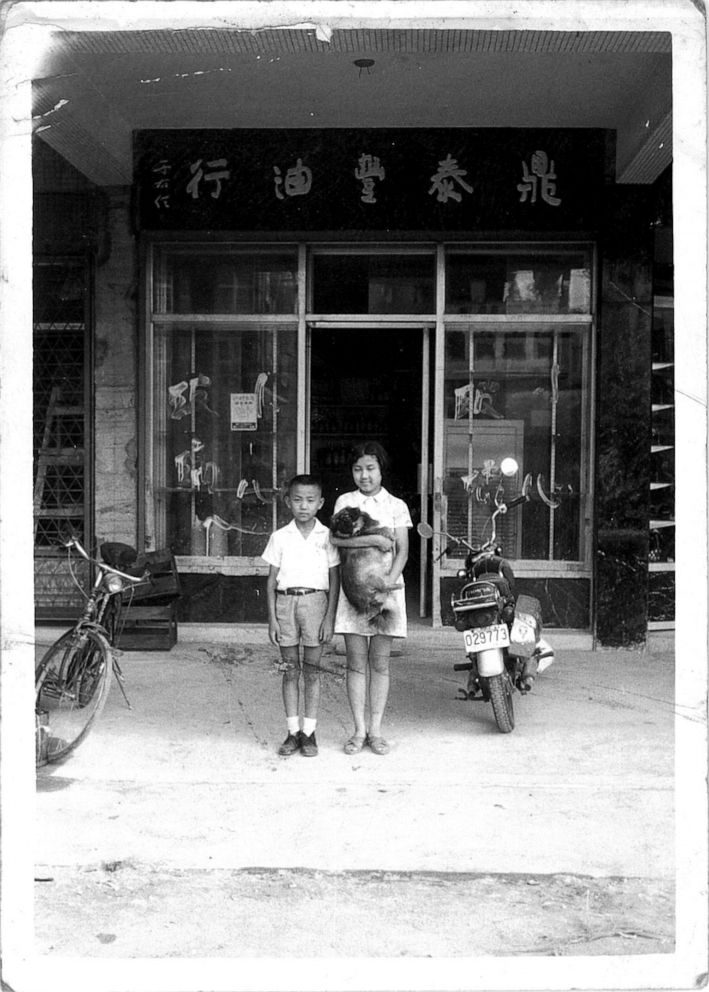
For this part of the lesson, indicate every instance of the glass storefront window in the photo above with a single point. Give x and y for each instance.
(371, 284)
(224, 435)
(518, 283)
(202, 281)
(517, 391)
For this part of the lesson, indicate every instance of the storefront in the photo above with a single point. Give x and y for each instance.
(231, 305)
(436, 290)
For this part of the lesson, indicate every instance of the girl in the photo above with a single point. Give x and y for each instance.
(367, 653)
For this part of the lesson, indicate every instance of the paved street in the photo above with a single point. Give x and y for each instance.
(182, 806)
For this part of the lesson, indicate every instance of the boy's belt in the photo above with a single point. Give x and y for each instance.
(297, 591)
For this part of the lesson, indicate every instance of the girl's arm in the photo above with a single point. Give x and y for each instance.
(401, 537)
(380, 541)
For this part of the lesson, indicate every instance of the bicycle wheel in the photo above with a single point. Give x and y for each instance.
(71, 687)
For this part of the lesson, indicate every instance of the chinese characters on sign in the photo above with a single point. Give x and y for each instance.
(369, 169)
(298, 180)
(443, 181)
(162, 183)
(198, 174)
(384, 179)
(540, 176)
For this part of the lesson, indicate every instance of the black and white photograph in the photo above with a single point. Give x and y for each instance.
(353, 408)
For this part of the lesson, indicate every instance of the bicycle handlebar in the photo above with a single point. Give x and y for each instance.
(73, 542)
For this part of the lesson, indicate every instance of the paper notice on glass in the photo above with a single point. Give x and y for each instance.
(244, 416)
(580, 291)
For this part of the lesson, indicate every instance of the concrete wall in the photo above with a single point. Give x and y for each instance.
(116, 377)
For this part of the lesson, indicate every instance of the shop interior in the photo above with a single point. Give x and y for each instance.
(366, 384)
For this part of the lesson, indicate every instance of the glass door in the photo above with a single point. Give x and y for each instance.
(371, 382)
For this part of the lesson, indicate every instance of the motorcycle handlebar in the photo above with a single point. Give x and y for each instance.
(530, 490)
(517, 501)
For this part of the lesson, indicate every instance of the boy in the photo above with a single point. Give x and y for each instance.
(302, 589)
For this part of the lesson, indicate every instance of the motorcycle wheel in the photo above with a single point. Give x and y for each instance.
(500, 689)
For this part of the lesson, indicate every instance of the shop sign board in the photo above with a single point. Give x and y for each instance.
(377, 179)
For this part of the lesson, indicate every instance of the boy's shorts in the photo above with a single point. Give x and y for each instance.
(300, 617)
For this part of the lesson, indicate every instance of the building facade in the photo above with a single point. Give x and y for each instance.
(254, 300)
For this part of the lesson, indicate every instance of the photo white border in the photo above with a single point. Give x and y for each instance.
(26, 29)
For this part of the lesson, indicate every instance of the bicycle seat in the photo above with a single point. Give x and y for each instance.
(121, 556)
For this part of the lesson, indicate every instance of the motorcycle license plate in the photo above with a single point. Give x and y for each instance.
(483, 638)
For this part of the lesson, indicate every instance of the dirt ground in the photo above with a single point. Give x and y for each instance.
(311, 913)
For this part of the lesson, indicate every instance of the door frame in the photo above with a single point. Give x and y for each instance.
(427, 327)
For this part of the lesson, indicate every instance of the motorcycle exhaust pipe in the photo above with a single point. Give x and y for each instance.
(467, 667)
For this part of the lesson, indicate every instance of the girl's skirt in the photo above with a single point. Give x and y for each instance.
(391, 622)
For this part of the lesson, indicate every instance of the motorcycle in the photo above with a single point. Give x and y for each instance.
(501, 630)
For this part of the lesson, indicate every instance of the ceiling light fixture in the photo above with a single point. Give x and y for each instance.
(364, 64)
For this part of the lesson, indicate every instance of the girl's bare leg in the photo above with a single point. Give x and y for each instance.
(379, 653)
(356, 648)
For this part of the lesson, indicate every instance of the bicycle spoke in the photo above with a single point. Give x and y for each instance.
(71, 686)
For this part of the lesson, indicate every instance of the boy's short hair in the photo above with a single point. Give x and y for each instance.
(304, 480)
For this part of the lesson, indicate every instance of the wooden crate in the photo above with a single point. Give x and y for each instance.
(163, 586)
(148, 628)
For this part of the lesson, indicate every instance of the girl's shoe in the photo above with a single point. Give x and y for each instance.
(378, 745)
(354, 745)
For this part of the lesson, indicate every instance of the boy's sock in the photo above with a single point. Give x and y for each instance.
(293, 724)
(308, 726)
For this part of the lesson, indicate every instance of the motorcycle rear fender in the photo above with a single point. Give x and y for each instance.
(490, 662)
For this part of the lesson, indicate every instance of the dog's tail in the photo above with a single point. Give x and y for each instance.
(380, 621)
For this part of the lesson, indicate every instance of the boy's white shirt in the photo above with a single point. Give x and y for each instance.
(302, 561)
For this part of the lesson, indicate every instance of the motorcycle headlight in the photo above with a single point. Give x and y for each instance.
(461, 573)
(114, 583)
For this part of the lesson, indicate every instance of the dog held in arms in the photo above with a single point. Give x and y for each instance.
(364, 570)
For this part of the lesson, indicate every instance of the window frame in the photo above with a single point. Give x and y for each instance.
(306, 317)
(587, 324)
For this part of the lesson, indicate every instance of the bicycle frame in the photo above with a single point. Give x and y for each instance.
(97, 603)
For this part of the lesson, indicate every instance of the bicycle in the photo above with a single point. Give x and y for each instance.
(73, 678)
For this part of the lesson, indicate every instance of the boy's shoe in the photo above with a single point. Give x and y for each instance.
(308, 745)
(290, 745)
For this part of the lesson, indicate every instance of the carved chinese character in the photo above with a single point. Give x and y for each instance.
(368, 170)
(198, 174)
(297, 182)
(162, 182)
(540, 176)
(443, 182)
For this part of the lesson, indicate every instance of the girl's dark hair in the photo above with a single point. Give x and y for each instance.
(374, 450)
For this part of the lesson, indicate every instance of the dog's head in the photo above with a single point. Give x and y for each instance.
(350, 522)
